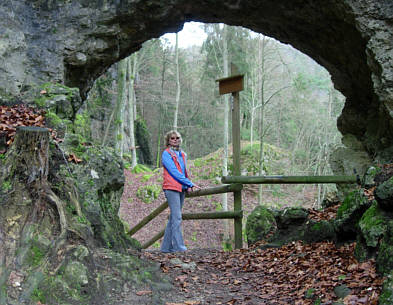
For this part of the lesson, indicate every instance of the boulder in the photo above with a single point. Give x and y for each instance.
(349, 214)
(384, 258)
(260, 223)
(372, 225)
(319, 231)
(386, 297)
(279, 227)
(384, 195)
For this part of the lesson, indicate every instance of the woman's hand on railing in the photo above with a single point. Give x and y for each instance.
(193, 189)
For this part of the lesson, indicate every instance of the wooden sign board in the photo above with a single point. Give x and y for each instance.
(230, 84)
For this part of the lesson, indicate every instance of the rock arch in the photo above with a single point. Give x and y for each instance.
(73, 42)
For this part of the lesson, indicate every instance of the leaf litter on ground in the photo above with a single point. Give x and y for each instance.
(296, 273)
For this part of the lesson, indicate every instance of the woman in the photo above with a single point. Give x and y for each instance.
(175, 184)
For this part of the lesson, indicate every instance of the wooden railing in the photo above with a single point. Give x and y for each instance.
(236, 214)
(235, 185)
(289, 179)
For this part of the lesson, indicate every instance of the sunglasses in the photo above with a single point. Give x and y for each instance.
(175, 138)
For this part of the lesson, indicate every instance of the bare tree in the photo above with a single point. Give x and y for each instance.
(177, 101)
(132, 67)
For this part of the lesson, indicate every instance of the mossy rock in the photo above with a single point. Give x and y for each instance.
(71, 244)
(331, 199)
(59, 99)
(260, 223)
(384, 259)
(362, 252)
(75, 273)
(94, 278)
(290, 226)
(386, 297)
(289, 217)
(349, 214)
(384, 195)
(373, 225)
(319, 231)
(368, 180)
(279, 227)
(341, 291)
(99, 181)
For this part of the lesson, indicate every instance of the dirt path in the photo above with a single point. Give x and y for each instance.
(294, 274)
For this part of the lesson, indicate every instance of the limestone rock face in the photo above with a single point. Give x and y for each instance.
(73, 42)
(62, 239)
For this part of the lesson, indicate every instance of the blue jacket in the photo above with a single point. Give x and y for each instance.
(175, 167)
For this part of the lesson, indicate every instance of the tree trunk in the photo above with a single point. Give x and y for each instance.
(120, 104)
(177, 83)
(225, 63)
(109, 123)
(261, 80)
(131, 72)
(161, 112)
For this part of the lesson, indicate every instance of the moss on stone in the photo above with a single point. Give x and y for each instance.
(349, 214)
(384, 195)
(75, 274)
(384, 259)
(35, 256)
(319, 231)
(368, 179)
(57, 290)
(6, 186)
(60, 102)
(259, 224)
(291, 216)
(361, 251)
(373, 225)
(348, 202)
(386, 297)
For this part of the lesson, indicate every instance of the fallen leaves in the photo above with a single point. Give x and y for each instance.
(283, 275)
(327, 214)
(12, 117)
(18, 115)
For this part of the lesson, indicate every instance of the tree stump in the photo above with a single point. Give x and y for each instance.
(31, 149)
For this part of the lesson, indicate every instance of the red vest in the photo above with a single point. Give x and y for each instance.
(169, 182)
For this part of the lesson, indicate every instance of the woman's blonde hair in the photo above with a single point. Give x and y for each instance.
(169, 134)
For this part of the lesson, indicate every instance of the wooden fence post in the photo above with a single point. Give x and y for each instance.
(233, 85)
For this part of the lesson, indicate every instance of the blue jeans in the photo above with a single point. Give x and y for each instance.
(173, 238)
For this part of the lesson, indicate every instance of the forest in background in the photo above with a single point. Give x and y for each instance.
(288, 101)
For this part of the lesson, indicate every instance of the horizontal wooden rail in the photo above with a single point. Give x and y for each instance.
(288, 179)
(226, 188)
(213, 215)
(190, 216)
(204, 192)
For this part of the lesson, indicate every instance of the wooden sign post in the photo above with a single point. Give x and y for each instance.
(234, 84)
